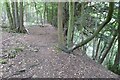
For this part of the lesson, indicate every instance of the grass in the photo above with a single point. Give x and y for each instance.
(18, 49)
(3, 61)
(14, 52)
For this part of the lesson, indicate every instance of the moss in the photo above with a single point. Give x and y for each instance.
(3, 61)
(18, 49)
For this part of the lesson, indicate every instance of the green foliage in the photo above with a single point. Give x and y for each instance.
(87, 19)
(18, 49)
(13, 52)
(113, 68)
(3, 61)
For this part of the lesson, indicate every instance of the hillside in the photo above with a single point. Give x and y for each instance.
(36, 55)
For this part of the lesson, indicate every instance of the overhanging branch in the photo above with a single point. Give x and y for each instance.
(109, 16)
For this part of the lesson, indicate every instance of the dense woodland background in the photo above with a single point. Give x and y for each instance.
(93, 27)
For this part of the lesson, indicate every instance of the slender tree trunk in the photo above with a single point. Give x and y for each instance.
(21, 16)
(16, 15)
(112, 52)
(60, 27)
(52, 18)
(36, 11)
(117, 58)
(44, 15)
(13, 12)
(102, 50)
(97, 50)
(94, 47)
(47, 12)
(108, 48)
(41, 19)
(9, 15)
(105, 44)
(37, 17)
(21, 28)
(71, 24)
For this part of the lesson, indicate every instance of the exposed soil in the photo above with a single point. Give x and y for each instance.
(36, 55)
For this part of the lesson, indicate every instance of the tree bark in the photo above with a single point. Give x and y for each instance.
(60, 27)
(44, 12)
(13, 12)
(52, 18)
(21, 27)
(71, 24)
(16, 15)
(97, 49)
(94, 47)
(36, 10)
(9, 15)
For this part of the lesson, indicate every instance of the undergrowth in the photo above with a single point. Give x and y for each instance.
(114, 68)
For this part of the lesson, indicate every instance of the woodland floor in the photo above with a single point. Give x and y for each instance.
(36, 55)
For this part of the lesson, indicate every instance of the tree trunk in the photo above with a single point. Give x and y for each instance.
(44, 15)
(9, 15)
(47, 12)
(97, 50)
(94, 47)
(108, 48)
(13, 12)
(21, 28)
(36, 11)
(117, 58)
(109, 16)
(16, 15)
(52, 18)
(71, 24)
(113, 52)
(60, 27)
(102, 50)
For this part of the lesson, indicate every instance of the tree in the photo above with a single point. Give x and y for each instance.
(60, 26)
(117, 57)
(108, 48)
(21, 27)
(71, 24)
(9, 15)
(15, 17)
(44, 15)
(109, 16)
(13, 14)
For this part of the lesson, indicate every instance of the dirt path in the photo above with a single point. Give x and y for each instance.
(40, 58)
